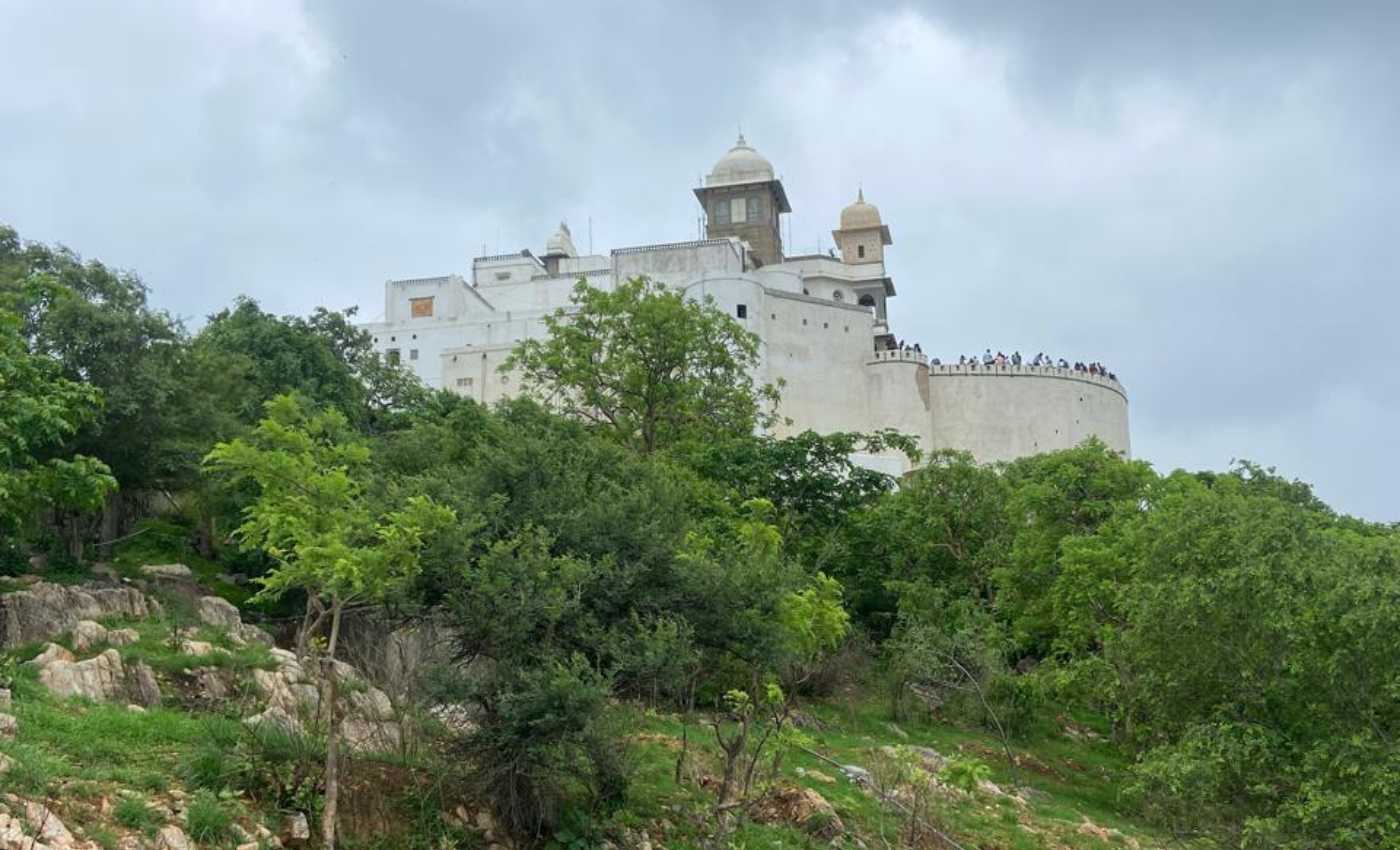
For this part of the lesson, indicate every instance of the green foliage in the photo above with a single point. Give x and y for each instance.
(544, 743)
(135, 813)
(965, 773)
(39, 411)
(648, 366)
(947, 525)
(208, 818)
(1054, 499)
(312, 515)
(1238, 633)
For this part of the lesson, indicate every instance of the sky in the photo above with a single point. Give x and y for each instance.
(1205, 196)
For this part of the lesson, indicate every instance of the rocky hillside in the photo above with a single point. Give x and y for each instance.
(142, 712)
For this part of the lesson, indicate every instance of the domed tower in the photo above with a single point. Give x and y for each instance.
(559, 246)
(862, 238)
(742, 197)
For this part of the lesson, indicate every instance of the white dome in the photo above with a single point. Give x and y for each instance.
(561, 244)
(742, 164)
(860, 215)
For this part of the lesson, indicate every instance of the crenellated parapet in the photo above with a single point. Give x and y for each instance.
(1010, 371)
(897, 356)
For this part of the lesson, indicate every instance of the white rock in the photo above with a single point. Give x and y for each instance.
(6, 763)
(99, 678)
(45, 610)
(5, 699)
(298, 829)
(158, 571)
(196, 647)
(219, 612)
(52, 652)
(122, 637)
(9, 725)
(88, 634)
(172, 838)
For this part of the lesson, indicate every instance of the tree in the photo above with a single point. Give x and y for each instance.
(97, 325)
(1055, 498)
(39, 409)
(313, 517)
(648, 365)
(324, 358)
(1244, 640)
(946, 526)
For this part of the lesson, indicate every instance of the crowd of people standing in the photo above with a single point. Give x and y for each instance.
(988, 360)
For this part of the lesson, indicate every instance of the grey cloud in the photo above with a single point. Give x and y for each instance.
(1200, 194)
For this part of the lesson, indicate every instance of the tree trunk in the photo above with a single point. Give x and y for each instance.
(328, 698)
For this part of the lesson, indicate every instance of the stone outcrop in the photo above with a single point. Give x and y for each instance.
(178, 572)
(102, 678)
(45, 610)
(222, 614)
(88, 634)
(27, 825)
(9, 726)
(293, 695)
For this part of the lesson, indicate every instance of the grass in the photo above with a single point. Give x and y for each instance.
(1071, 781)
(135, 813)
(208, 819)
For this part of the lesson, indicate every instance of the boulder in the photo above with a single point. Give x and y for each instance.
(6, 764)
(45, 610)
(44, 827)
(142, 686)
(52, 652)
(9, 726)
(218, 612)
(122, 637)
(196, 647)
(5, 699)
(99, 678)
(88, 634)
(370, 736)
(298, 828)
(176, 572)
(172, 838)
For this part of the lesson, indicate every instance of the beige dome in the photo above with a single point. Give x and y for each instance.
(742, 164)
(860, 214)
(561, 244)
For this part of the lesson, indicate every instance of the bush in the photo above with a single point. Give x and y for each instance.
(207, 818)
(134, 813)
(545, 745)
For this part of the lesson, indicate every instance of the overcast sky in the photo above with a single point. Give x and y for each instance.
(1203, 195)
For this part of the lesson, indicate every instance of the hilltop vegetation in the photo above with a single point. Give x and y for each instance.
(653, 622)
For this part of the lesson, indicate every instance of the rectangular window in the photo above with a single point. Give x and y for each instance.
(754, 209)
(722, 211)
(860, 251)
(737, 210)
(420, 308)
(464, 382)
(392, 355)
(413, 354)
(742, 311)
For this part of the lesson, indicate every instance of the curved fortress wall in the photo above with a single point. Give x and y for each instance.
(1002, 413)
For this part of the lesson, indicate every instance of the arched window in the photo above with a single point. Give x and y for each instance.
(838, 295)
(867, 300)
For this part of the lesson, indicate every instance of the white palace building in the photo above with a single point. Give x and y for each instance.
(823, 324)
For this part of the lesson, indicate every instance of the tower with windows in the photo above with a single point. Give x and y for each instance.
(862, 238)
(742, 197)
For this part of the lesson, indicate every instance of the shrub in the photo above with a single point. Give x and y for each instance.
(134, 813)
(208, 818)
